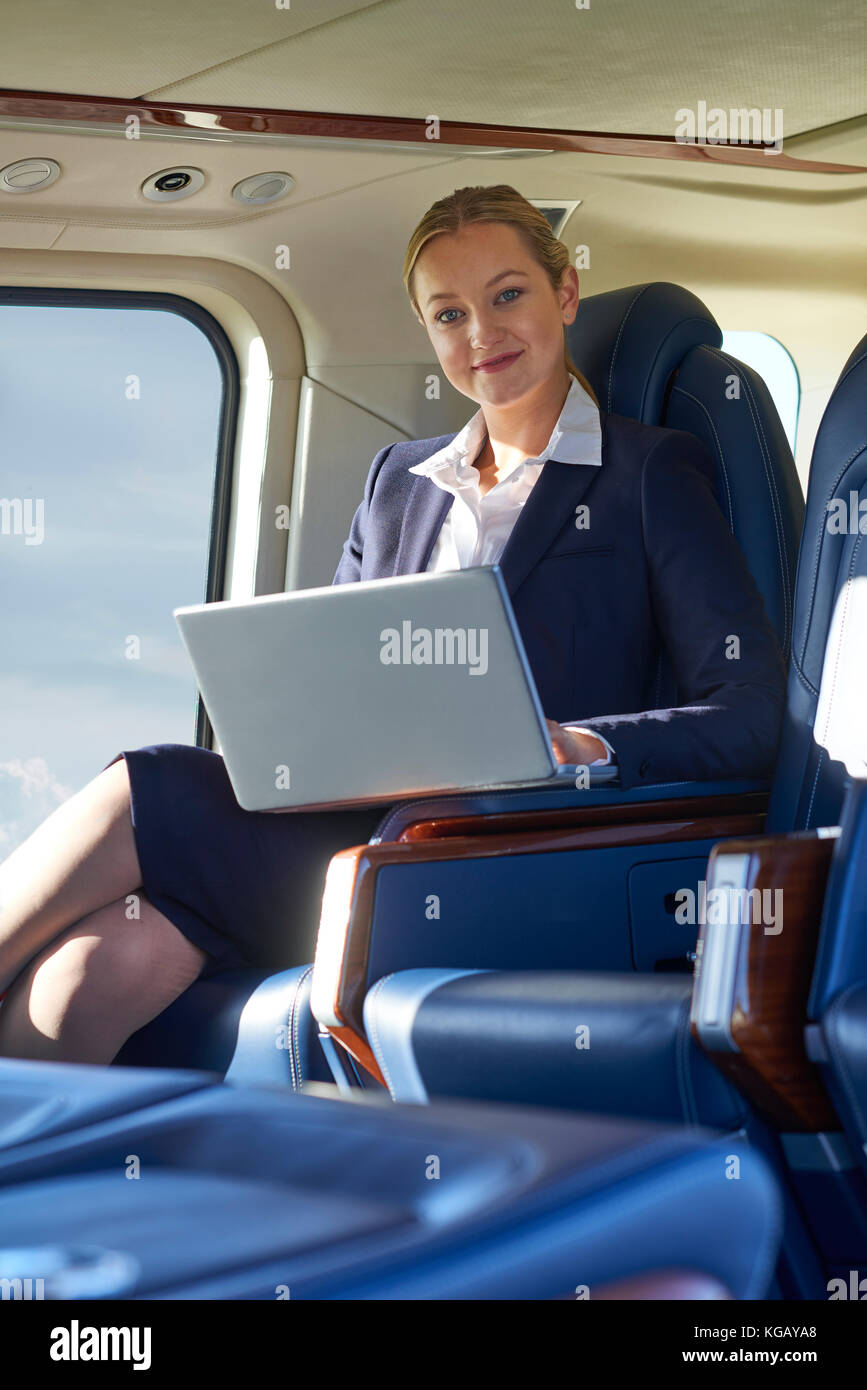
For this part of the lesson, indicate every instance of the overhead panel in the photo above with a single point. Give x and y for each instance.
(626, 66)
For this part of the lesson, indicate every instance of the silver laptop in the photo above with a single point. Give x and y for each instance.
(371, 692)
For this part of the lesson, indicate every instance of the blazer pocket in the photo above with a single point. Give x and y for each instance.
(578, 554)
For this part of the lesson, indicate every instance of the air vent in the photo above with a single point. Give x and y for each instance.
(263, 188)
(167, 185)
(28, 175)
(556, 212)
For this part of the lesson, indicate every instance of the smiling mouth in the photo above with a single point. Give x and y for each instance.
(494, 363)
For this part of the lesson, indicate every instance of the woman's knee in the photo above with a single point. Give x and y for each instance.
(110, 962)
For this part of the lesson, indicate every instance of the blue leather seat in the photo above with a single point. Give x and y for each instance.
(485, 1034)
(844, 1062)
(653, 352)
(41, 1100)
(844, 1059)
(838, 996)
(595, 1042)
(268, 1194)
(228, 1029)
(249, 1025)
(808, 785)
(837, 1007)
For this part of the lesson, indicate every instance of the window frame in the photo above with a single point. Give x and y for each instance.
(58, 297)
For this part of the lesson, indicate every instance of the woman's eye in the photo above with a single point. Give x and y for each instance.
(513, 289)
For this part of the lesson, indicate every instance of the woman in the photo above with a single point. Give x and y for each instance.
(614, 552)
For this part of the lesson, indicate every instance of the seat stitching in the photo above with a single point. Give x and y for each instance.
(295, 1023)
(616, 347)
(693, 318)
(809, 815)
(822, 532)
(785, 560)
(776, 505)
(293, 1060)
(292, 1068)
(803, 677)
(847, 589)
(849, 370)
(681, 323)
(701, 405)
(374, 1033)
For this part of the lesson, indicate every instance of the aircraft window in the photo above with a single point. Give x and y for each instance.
(116, 451)
(776, 367)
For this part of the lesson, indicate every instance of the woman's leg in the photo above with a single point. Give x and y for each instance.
(251, 883)
(80, 858)
(102, 980)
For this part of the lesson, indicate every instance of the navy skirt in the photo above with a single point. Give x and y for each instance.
(245, 886)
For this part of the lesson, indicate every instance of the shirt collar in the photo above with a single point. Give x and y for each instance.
(576, 437)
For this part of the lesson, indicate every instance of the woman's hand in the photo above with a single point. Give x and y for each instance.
(570, 747)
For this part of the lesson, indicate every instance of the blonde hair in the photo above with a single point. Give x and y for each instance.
(497, 203)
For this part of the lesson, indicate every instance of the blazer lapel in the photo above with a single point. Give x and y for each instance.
(553, 499)
(424, 514)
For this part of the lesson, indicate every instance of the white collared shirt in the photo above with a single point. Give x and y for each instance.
(477, 527)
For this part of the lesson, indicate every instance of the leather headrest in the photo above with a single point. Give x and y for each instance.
(628, 343)
(843, 431)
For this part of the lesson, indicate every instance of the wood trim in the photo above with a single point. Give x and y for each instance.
(616, 813)
(772, 983)
(358, 1047)
(64, 108)
(343, 950)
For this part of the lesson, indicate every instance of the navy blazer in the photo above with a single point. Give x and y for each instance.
(627, 625)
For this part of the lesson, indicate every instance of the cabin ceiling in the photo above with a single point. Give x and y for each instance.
(619, 65)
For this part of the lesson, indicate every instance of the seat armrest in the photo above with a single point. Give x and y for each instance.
(758, 932)
(474, 811)
(589, 1041)
(341, 975)
(277, 1041)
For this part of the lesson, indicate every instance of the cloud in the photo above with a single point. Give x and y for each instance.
(29, 792)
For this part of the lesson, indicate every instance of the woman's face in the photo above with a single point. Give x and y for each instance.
(482, 295)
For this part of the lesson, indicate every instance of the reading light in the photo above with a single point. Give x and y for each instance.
(167, 185)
